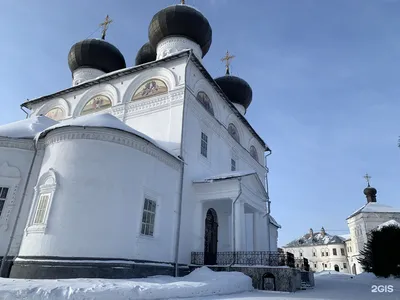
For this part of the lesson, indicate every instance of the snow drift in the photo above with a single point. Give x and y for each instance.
(201, 282)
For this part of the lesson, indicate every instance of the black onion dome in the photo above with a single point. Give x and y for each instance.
(181, 20)
(145, 54)
(236, 89)
(370, 191)
(97, 54)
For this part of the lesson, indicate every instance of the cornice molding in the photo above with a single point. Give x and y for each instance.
(112, 136)
(157, 103)
(23, 144)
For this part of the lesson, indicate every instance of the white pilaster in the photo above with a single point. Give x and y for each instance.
(240, 227)
(171, 45)
(256, 230)
(81, 75)
(198, 228)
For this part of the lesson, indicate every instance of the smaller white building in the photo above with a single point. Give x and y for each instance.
(341, 253)
(323, 251)
(362, 221)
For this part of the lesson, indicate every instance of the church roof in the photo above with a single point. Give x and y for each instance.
(374, 207)
(274, 222)
(316, 239)
(104, 120)
(388, 223)
(27, 128)
(132, 70)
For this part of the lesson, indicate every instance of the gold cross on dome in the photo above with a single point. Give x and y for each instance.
(227, 58)
(105, 25)
(367, 178)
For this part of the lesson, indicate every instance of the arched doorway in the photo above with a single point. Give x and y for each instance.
(336, 268)
(269, 282)
(211, 238)
(354, 269)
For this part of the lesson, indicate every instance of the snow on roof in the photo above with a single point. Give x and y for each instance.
(315, 239)
(224, 176)
(102, 121)
(345, 236)
(274, 222)
(373, 207)
(27, 128)
(388, 223)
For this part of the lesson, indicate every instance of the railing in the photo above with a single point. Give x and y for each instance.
(250, 258)
(302, 263)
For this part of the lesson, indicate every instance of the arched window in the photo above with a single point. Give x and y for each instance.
(233, 132)
(253, 152)
(205, 101)
(150, 88)
(56, 113)
(97, 103)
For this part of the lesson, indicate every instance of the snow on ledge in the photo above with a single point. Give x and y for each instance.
(27, 128)
(104, 120)
(388, 223)
(201, 282)
(224, 176)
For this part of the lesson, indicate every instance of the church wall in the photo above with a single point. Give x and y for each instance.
(273, 232)
(221, 148)
(96, 210)
(16, 157)
(157, 116)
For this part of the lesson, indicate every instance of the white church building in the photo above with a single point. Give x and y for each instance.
(341, 252)
(130, 170)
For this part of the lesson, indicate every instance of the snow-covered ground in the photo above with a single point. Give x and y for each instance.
(329, 286)
(202, 284)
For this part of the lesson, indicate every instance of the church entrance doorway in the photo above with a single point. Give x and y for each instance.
(211, 238)
(337, 268)
(354, 269)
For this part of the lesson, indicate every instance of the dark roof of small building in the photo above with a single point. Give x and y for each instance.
(132, 70)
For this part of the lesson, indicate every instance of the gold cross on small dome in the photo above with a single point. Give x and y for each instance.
(227, 58)
(105, 25)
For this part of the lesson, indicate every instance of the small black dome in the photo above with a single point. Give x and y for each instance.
(97, 54)
(236, 89)
(145, 54)
(181, 20)
(370, 191)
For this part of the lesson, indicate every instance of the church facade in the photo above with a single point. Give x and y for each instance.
(130, 170)
(341, 252)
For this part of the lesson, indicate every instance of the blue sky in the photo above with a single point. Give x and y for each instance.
(325, 78)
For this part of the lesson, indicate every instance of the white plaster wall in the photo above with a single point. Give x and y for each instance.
(98, 203)
(159, 117)
(273, 231)
(14, 167)
(220, 150)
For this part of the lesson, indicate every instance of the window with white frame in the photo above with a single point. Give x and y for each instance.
(44, 194)
(41, 209)
(148, 218)
(204, 144)
(3, 197)
(233, 165)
